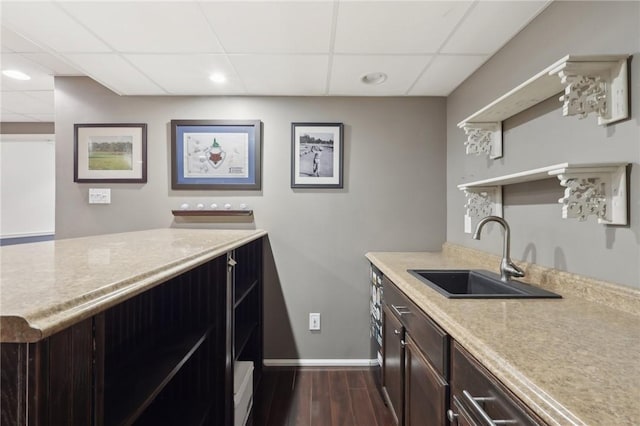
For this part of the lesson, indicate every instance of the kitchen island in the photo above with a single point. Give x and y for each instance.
(127, 327)
(571, 361)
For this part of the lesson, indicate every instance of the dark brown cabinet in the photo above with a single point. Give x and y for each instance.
(151, 347)
(415, 362)
(480, 399)
(431, 380)
(426, 392)
(49, 382)
(393, 363)
(164, 356)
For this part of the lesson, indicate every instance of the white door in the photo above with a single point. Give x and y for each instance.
(27, 187)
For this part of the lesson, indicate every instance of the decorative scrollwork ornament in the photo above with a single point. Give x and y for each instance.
(584, 95)
(478, 204)
(478, 141)
(583, 197)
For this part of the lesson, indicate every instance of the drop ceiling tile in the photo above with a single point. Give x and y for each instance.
(188, 74)
(12, 42)
(46, 96)
(112, 71)
(155, 27)
(14, 118)
(22, 103)
(41, 78)
(491, 24)
(347, 72)
(13, 85)
(396, 27)
(41, 117)
(282, 74)
(48, 26)
(55, 65)
(445, 74)
(272, 27)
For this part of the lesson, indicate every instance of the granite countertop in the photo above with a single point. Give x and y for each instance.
(48, 286)
(573, 361)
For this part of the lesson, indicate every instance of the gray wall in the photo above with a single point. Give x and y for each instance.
(540, 136)
(394, 181)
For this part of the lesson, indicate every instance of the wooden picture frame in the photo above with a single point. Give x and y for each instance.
(110, 153)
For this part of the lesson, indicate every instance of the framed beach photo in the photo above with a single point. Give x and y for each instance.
(216, 154)
(317, 155)
(110, 153)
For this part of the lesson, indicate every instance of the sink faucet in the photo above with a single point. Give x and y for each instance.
(508, 269)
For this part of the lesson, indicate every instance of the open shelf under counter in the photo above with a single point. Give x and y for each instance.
(591, 84)
(146, 375)
(594, 189)
(243, 334)
(190, 412)
(243, 292)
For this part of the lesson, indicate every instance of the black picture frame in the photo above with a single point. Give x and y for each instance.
(110, 153)
(216, 154)
(317, 155)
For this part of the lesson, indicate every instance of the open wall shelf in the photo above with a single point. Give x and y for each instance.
(591, 84)
(212, 212)
(590, 190)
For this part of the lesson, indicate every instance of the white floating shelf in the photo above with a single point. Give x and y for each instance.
(597, 84)
(520, 177)
(598, 189)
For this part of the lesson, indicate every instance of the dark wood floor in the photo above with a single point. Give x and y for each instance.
(319, 397)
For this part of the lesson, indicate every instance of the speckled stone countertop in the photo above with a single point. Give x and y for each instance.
(48, 286)
(573, 361)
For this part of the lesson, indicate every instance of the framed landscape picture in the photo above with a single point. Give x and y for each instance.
(216, 154)
(110, 153)
(317, 155)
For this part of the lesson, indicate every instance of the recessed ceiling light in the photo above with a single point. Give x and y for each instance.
(218, 77)
(18, 75)
(374, 78)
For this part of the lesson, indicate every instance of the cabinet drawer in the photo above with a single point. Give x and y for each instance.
(477, 391)
(428, 336)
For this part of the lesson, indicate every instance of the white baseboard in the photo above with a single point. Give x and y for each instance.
(320, 362)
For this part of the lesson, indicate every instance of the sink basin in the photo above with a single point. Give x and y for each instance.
(478, 284)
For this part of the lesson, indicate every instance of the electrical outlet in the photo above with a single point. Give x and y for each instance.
(99, 195)
(314, 321)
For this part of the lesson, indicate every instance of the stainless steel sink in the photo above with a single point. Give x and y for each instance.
(478, 284)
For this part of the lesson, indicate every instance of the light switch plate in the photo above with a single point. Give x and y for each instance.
(99, 195)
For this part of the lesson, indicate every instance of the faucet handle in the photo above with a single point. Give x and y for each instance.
(514, 270)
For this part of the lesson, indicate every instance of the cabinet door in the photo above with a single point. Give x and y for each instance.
(393, 365)
(426, 391)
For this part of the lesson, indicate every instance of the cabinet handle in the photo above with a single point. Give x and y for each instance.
(401, 310)
(453, 417)
(231, 262)
(474, 401)
(396, 332)
(403, 343)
